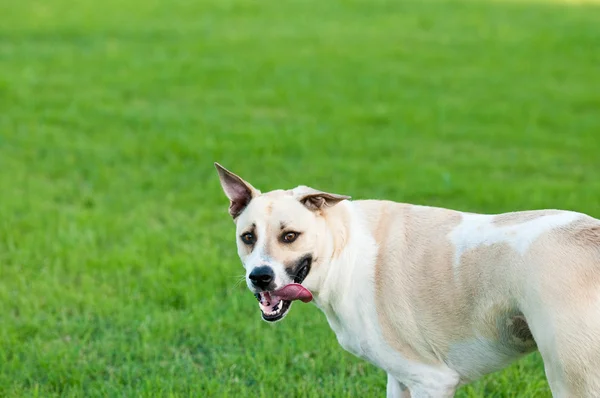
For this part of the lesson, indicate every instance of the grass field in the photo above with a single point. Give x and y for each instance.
(118, 270)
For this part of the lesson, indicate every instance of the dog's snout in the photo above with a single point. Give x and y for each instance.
(261, 277)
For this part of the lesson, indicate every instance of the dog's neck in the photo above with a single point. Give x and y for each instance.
(351, 250)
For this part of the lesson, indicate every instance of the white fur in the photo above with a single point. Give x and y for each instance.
(478, 230)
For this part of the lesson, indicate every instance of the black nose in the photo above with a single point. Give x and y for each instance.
(262, 276)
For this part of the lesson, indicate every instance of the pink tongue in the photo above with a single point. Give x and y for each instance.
(294, 291)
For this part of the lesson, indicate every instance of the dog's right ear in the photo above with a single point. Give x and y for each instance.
(239, 192)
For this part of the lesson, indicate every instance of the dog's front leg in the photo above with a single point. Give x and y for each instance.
(396, 389)
(435, 384)
(429, 392)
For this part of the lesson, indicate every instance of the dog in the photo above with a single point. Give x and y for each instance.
(435, 297)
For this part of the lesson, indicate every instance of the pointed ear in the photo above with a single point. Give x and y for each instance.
(318, 200)
(239, 192)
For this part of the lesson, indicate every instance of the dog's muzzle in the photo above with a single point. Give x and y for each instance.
(274, 305)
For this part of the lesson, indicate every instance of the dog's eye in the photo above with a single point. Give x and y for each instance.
(248, 238)
(289, 237)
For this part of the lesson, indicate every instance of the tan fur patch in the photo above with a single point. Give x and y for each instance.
(441, 307)
(586, 233)
(403, 233)
(506, 219)
(475, 284)
(490, 311)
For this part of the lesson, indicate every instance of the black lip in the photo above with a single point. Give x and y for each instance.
(303, 268)
(284, 309)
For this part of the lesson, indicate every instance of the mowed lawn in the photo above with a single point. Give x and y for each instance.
(118, 267)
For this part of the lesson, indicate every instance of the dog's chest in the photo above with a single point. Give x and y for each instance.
(356, 333)
(349, 338)
(352, 345)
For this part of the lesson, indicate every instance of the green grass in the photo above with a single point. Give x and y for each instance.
(118, 268)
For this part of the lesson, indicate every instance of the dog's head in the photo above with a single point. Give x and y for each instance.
(282, 236)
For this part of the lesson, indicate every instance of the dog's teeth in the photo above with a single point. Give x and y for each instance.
(276, 310)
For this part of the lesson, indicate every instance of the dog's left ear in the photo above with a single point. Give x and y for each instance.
(318, 200)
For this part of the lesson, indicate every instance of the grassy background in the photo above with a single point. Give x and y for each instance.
(118, 272)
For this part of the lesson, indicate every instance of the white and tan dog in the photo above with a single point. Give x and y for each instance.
(437, 298)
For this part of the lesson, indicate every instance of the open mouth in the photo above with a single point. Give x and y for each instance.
(276, 304)
(272, 307)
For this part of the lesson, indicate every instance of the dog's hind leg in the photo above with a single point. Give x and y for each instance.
(567, 334)
(572, 363)
(396, 389)
(560, 299)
